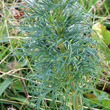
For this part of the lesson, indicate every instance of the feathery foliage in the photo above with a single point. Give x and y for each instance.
(62, 53)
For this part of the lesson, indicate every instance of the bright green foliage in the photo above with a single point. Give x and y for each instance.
(4, 85)
(104, 38)
(60, 51)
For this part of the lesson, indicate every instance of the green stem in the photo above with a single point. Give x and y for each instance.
(81, 102)
(76, 103)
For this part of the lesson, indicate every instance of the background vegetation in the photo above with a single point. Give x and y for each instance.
(15, 69)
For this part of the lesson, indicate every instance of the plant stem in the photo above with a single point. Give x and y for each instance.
(76, 103)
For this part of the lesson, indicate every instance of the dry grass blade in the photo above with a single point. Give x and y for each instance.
(11, 71)
(4, 58)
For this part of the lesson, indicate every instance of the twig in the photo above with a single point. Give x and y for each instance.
(17, 37)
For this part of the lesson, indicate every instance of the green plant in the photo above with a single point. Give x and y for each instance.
(63, 56)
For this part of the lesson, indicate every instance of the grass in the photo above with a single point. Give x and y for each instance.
(14, 68)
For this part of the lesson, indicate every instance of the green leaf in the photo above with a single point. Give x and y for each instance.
(5, 85)
(23, 100)
(104, 38)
